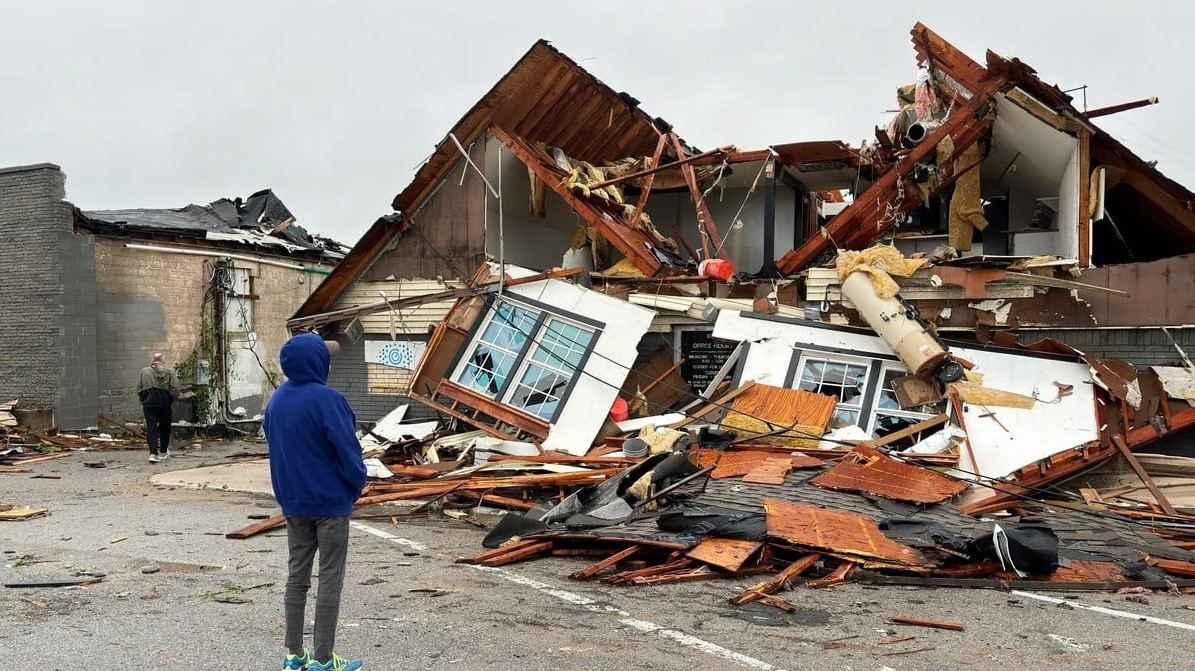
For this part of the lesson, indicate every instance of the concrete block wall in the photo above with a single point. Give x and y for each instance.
(349, 375)
(47, 335)
(1145, 346)
(153, 301)
(147, 302)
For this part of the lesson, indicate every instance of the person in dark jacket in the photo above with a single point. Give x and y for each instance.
(317, 472)
(158, 389)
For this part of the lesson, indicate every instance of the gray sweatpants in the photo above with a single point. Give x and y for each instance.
(305, 535)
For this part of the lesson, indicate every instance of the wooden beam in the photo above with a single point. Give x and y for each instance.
(958, 412)
(777, 582)
(400, 303)
(851, 219)
(257, 527)
(923, 622)
(651, 178)
(1118, 441)
(593, 569)
(625, 239)
(705, 220)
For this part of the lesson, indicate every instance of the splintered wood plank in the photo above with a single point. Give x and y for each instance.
(835, 531)
(837, 577)
(725, 553)
(1128, 455)
(922, 622)
(626, 576)
(257, 527)
(593, 569)
(1173, 566)
(866, 469)
(771, 471)
(687, 575)
(777, 582)
(497, 552)
(518, 554)
(44, 457)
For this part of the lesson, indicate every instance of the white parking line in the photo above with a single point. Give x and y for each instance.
(1106, 611)
(624, 617)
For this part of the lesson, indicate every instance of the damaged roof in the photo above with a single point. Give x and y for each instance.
(261, 220)
(546, 97)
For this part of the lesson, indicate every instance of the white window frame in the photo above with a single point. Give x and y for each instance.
(866, 363)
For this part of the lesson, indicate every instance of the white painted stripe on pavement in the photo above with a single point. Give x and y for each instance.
(1106, 611)
(680, 637)
(414, 545)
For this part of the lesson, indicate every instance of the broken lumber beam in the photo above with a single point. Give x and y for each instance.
(593, 569)
(837, 577)
(1128, 455)
(626, 576)
(44, 457)
(11, 469)
(498, 551)
(122, 427)
(70, 582)
(686, 575)
(778, 582)
(257, 528)
(518, 554)
(923, 622)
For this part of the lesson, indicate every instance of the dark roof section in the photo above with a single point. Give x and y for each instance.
(546, 97)
(251, 221)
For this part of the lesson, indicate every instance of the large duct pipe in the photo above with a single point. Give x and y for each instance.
(918, 131)
(916, 347)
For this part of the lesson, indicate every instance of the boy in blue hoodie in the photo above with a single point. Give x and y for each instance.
(318, 474)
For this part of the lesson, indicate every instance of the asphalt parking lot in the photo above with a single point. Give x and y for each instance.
(174, 592)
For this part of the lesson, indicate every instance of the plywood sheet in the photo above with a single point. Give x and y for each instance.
(765, 408)
(835, 531)
(866, 469)
(725, 553)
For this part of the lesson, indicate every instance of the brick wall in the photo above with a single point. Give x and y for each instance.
(47, 334)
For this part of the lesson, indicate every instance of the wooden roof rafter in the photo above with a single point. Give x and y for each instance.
(631, 242)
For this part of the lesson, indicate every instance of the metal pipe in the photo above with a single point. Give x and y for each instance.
(239, 257)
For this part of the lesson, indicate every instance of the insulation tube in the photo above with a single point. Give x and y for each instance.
(918, 131)
(917, 349)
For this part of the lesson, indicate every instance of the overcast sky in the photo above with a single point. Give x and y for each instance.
(334, 104)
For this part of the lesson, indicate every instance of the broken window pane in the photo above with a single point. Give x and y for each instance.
(554, 360)
(497, 349)
(846, 380)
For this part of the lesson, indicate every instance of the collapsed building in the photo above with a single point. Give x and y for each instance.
(573, 285)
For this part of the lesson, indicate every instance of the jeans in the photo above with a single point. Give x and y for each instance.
(305, 535)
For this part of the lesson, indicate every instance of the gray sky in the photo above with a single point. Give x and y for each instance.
(334, 104)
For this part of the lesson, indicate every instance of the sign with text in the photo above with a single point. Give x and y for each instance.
(704, 356)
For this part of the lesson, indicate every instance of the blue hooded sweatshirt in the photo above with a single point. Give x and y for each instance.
(315, 457)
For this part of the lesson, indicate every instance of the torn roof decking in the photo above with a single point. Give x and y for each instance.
(546, 97)
(860, 224)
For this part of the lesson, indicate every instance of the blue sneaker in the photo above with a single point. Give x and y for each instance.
(337, 663)
(296, 662)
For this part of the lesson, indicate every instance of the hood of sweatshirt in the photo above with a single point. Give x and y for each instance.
(305, 358)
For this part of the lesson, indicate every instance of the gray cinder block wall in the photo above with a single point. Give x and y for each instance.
(350, 377)
(47, 297)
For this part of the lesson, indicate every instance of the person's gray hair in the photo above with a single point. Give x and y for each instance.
(159, 357)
